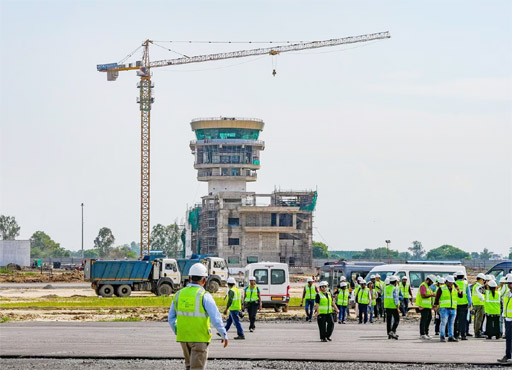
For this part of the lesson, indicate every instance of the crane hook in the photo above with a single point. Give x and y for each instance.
(274, 72)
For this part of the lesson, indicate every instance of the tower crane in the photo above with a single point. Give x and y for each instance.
(145, 99)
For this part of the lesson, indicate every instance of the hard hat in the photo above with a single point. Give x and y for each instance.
(363, 282)
(377, 275)
(323, 283)
(432, 278)
(441, 280)
(386, 281)
(372, 276)
(359, 279)
(503, 280)
(343, 285)
(492, 284)
(343, 278)
(309, 280)
(459, 273)
(231, 280)
(252, 278)
(393, 278)
(493, 277)
(480, 276)
(450, 279)
(404, 277)
(509, 279)
(487, 277)
(198, 269)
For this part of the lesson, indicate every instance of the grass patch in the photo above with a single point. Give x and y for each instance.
(123, 319)
(4, 319)
(5, 270)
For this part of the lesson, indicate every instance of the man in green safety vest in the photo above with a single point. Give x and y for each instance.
(379, 287)
(446, 302)
(391, 305)
(189, 317)
(463, 306)
(362, 300)
(234, 306)
(342, 296)
(424, 303)
(308, 298)
(507, 317)
(406, 292)
(477, 293)
(492, 306)
(252, 301)
(324, 308)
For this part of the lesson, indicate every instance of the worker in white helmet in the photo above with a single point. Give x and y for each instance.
(391, 305)
(477, 293)
(379, 290)
(492, 307)
(190, 317)
(507, 315)
(252, 302)
(324, 309)
(437, 318)
(446, 302)
(464, 305)
(234, 306)
(308, 298)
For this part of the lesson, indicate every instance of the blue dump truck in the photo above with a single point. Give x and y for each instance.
(154, 273)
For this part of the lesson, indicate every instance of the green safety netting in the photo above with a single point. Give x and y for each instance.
(193, 218)
(311, 206)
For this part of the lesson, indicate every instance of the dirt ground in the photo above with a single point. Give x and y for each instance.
(47, 276)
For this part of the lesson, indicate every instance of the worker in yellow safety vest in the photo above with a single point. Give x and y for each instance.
(391, 303)
(507, 317)
(406, 293)
(362, 300)
(191, 312)
(234, 306)
(252, 302)
(446, 302)
(492, 311)
(324, 308)
(342, 296)
(308, 298)
(424, 303)
(477, 295)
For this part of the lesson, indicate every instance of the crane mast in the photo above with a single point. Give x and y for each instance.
(145, 100)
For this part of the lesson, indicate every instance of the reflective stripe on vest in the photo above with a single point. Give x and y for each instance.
(236, 304)
(363, 296)
(492, 302)
(474, 297)
(251, 294)
(405, 290)
(310, 292)
(389, 298)
(507, 306)
(424, 302)
(448, 298)
(192, 321)
(463, 286)
(342, 297)
(325, 305)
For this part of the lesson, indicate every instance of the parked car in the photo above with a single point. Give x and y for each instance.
(273, 279)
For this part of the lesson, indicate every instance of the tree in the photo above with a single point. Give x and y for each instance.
(320, 250)
(417, 250)
(475, 255)
(405, 256)
(167, 239)
(41, 245)
(120, 252)
(103, 242)
(9, 227)
(486, 254)
(447, 252)
(510, 254)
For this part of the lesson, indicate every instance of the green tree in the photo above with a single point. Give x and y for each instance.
(135, 248)
(405, 256)
(9, 228)
(103, 242)
(486, 254)
(41, 245)
(447, 252)
(120, 252)
(475, 255)
(417, 250)
(167, 239)
(510, 254)
(320, 250)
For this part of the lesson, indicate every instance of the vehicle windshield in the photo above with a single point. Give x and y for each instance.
(383, 274)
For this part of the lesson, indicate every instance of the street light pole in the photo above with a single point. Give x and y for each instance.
(387, 246)
(82, 231)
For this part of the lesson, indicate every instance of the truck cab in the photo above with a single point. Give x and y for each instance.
(216, 266)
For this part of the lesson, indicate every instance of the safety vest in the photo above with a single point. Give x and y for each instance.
(424, 302)
(405, 290)
(492, 302)
(342, 297)
(192, 321)
(463, 286)
(251, 294)
(356, 289)
(474, 297)
(310, 292)
(379, 284)
(363, 296)
(325, 305)
(236, 303)
(507, 306)
(374, 297)
(504, 290)
(448, 298)
(389, 299)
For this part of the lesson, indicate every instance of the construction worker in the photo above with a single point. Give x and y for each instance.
(463, 306)
(424, 303)
(391, 303)
(379, 291)
(324, 308)
(478, 304)
(405, 290)
(362, 300)
(373, 301)
(507, 316)
(252, 301)
(446, 301)
(190, 314)
(503, 288)
(308, 297)
(342, 297)
(437, 320)
(234, 306)
(492, 311)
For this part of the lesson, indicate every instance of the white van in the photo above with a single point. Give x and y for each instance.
(416, 273)
(273, 279)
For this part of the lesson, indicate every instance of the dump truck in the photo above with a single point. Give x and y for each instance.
(217, 270)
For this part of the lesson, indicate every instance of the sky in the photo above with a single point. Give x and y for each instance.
(405, 139)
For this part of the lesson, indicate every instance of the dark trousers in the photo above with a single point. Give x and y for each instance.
(309, 305)
(378, 308)
(508, 335)
(363, 311)
(404, 305)
(492, 327)
(392, 317)
(325, 325)
(437, 322)
(461, 321)
(426, 318)
(252, 309)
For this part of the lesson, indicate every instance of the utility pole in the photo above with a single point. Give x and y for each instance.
(82, 231)
(387, 246)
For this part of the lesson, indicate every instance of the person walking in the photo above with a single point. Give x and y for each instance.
(492, 311)
(478, 304)
(190, 314)
(308, 298)
(463, 306)
(391, 305)
(234, 306)
(507, 316)
(437, 315)
(362, 300)
(342, 298)
(405, 290)
(446, 301)
(424, 303)
(252, 301)
(324, 308)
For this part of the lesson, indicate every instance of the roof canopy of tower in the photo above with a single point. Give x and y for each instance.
(227, 123)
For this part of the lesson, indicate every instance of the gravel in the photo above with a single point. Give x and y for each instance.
(92, 364)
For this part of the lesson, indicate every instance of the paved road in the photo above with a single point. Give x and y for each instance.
(287, 340)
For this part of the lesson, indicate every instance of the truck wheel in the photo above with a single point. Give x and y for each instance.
(285, 308)
(213, 286)
(106, 290)
(123, 290)
(164, 289)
